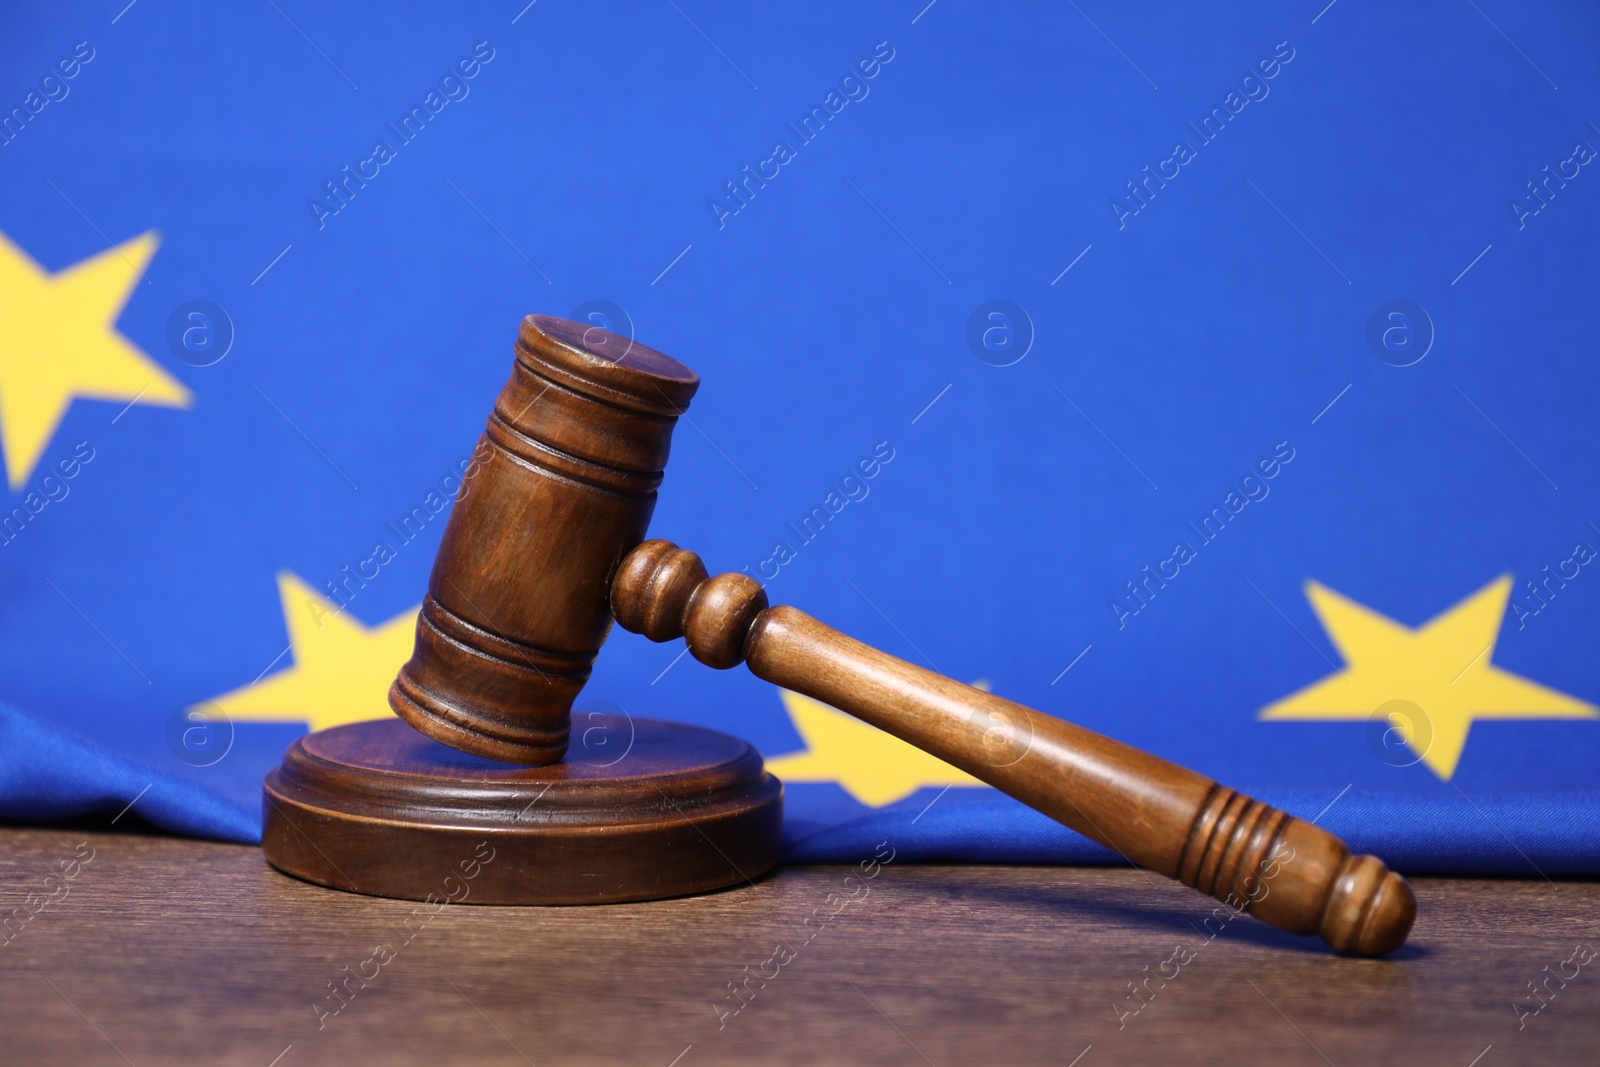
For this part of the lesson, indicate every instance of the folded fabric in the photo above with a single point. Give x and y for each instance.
(48, 775)
(1521, 835)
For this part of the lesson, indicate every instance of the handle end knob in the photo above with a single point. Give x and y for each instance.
(1370, 909)
(1295, 875)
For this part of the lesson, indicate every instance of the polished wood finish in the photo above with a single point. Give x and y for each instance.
(189, 952)
(562, 483)
(639, 810)
(560, 490)
(1157, 814)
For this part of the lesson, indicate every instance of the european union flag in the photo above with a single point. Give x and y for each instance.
(1222, 381)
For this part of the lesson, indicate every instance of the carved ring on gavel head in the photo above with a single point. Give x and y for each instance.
(544, 546)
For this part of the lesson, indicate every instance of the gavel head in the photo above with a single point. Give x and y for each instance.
(559, 489)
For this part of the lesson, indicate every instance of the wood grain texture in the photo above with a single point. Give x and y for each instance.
(561, 484)
(639, 810)
(1153, 812)
(190, 952)
(543, 547)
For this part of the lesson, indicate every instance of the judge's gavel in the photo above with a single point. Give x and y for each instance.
(1157, 814)
(543, 549)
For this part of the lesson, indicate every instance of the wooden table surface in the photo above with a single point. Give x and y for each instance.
(163, 950)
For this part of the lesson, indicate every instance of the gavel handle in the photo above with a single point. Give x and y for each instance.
(1156, 814)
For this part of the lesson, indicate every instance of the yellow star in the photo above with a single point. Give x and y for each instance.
(1442, 669)
(60, 341)
(341, 671)
(874, 767)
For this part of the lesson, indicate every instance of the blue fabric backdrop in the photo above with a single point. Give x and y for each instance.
(1227, 378)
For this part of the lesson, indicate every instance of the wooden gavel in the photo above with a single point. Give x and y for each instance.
(543, 549)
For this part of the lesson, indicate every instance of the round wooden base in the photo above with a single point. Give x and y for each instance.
(639, 810)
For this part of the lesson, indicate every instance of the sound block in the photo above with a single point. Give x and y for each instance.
(378, 808)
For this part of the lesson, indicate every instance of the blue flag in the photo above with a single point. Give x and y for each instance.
(1222, 382)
